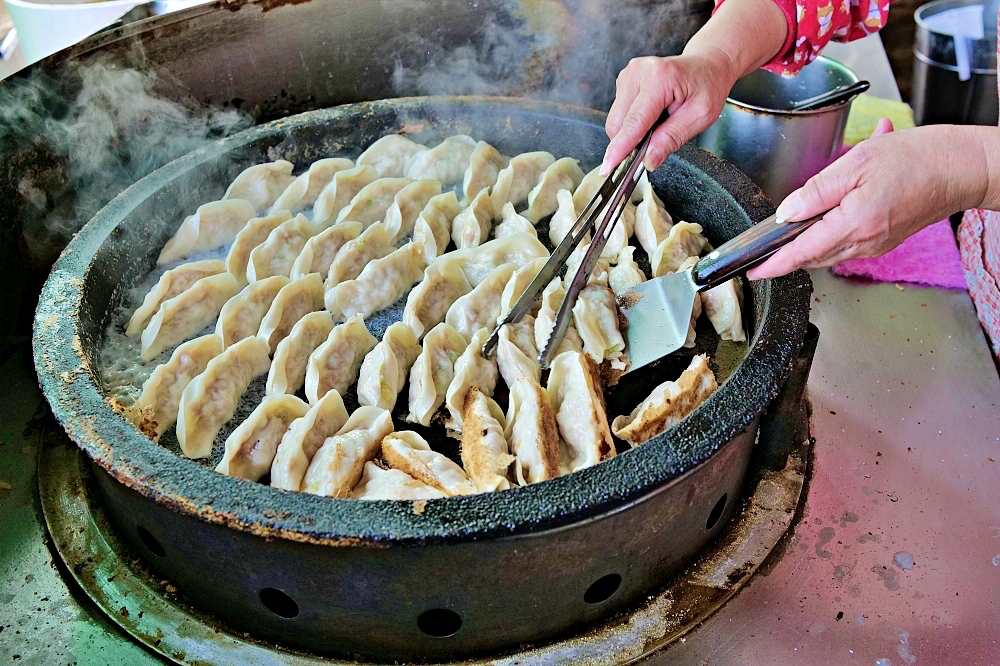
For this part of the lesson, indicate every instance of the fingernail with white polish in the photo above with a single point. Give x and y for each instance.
(605, 170)
(790, 207)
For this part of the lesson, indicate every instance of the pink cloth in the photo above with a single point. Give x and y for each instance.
(928, 257)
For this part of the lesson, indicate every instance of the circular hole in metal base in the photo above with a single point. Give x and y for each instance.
(439, 622)
(602, 589)
(150, 541)
(720, 506)
(279, 603)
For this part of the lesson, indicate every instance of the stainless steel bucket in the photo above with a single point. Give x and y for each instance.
(939, 94)
(779, 149)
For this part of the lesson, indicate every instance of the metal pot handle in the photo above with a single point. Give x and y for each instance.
(748, 249)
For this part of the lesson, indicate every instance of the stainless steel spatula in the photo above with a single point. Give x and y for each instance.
(659, 310)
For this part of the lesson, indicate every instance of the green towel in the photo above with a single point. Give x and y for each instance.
(865, 113)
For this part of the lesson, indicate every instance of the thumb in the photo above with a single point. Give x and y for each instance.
(884, 126)
(822, 192)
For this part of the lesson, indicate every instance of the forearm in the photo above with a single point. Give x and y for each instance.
(741, 36)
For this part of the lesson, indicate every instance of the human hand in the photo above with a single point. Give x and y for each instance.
(881, 192)
(692, 88)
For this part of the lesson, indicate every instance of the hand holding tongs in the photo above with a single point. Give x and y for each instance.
(659, 314)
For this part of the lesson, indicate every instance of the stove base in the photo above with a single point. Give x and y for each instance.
(151, 611)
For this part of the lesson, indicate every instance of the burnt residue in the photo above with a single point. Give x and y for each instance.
(699, 188)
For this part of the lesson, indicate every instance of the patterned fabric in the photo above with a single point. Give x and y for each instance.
(979, 241)
(812, 24)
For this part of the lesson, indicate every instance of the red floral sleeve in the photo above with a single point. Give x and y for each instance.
(812, 24)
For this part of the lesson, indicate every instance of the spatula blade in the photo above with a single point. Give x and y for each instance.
(658, 313)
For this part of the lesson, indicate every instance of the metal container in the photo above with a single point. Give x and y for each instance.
(780, 149)
(397, 580)
(939, 94)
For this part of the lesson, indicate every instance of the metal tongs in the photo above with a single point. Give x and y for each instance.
(658, 310)
(603, 211)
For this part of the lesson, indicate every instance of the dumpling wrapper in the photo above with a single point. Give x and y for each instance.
(352, 257)
(241, 315)
(392, 484)
(381, 283)
(683, 241)
(597, 276)
(620, 234)
(372, 201)
(409, 452)
(288, 367)
(172, 283)
(277, 254)
(251, 447)
(518, 282)
(433, 371)
(545, 321)
(428, 303)
(485, 164)
(595, 314)
(587, 188)
(261, 184)
(724, 307)
(577, 399)
(212, 397)
(318, 253)
(478, 262)
(213, 225)
(295, 300)
(480, 308)
(532, 432)
(187, 314)
(337, 466)
(652, 221)
(517, 355)
(304, 438)
(696, 308)
(517, 179)
(564, 218)
(407, 205)
(563, 174)
(161, 393)
(389, 155)
(335, 363)
(668, 403)
(339, 193)
(512, 223)
(445, 162)
(484, 450)
(434, 222)
(626, 274)
(471, 227)
(253, 234)
(472, 370)
(304, 190)
(384, 370)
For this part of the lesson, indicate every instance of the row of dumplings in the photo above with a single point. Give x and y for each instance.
(290, 269)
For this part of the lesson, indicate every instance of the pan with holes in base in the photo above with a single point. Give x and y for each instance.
(403, 580)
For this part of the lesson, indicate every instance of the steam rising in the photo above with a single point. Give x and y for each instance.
(549, 49)
(69, 147)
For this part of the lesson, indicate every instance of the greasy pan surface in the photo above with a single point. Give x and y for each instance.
(119, 246)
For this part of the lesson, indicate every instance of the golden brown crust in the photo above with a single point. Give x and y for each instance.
(399, 460)
(479, 461)
(548, 432)
(694, 385)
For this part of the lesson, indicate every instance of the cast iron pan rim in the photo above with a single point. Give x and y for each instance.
(116, 446)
